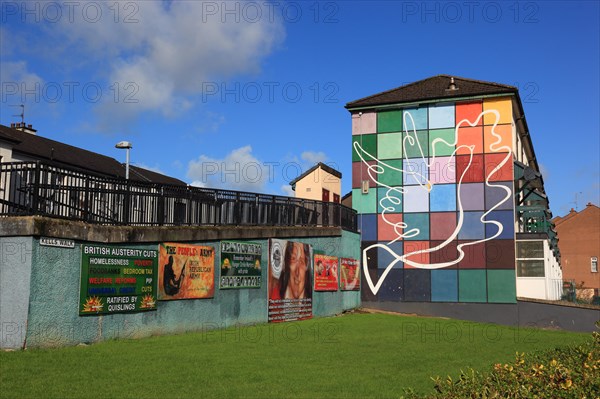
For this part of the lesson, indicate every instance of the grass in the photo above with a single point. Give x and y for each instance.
(357, 355)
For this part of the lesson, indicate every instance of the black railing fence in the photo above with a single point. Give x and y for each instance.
(40, 188)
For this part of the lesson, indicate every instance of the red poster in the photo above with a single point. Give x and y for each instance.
(349, 275)
(326, 273)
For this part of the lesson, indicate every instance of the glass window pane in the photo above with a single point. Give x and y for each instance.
(530, 249)
(530, 268)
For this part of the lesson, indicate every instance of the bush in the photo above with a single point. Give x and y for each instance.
(571, 372)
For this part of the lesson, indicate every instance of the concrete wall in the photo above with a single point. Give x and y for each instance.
(15, 277)
(40, 294)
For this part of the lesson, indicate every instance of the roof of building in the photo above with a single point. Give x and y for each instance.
(574, 214)
(435, 87)
(41, 148)
(321, 165)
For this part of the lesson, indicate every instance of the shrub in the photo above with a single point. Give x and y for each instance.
(571, 372)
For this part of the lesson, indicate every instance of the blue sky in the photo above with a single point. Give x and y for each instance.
(247, 95)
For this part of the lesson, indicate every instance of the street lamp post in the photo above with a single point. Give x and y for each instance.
(125, 145)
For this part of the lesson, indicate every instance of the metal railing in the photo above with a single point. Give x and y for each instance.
(44, 189)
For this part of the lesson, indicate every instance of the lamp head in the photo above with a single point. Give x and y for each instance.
(124, 144)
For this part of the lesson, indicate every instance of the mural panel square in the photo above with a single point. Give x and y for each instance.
(472, 286)
(443, 198)
(501, 286)
(368, 142)
(389, 146)
(444, 285)
(417, 285)
(470, 137)
(442, 170)
(389, 121)
(389, 199)
(442, 142)
(419, 222)
(470, 111)
(442, 225)
(416, 144)
(365, 123)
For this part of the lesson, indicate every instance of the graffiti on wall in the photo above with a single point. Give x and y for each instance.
(424, 176)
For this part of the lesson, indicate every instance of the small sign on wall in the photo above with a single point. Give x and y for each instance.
(240, 265)
(326, 273)
(186, 271)
(349, 275)
(57, 242)
(117, 280)
(290, 285)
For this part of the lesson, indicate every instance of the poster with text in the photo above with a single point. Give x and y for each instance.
(290, 280)
(117, 280)
(349, 275)
(185, 271)
(240, 265)
(326, 273)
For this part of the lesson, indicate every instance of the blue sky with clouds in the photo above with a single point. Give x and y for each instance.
(246, 95)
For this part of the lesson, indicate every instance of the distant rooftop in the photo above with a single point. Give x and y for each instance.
(321, 165)
(436, 87)
(37, 147)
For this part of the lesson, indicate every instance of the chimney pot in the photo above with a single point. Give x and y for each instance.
(12, 125)
(30, 126)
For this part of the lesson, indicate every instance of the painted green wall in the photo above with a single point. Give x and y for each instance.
(53, 318)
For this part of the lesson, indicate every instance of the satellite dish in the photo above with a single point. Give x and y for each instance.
(529, 174)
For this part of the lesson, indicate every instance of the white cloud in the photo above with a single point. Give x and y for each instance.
(197, 183)
(286, 189)
(166, 52)
(239, 170)
(313, 157)
(17, 73)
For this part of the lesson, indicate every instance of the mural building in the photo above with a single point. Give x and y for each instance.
(435, 181)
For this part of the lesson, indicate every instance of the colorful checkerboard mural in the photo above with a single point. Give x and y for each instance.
(433, 187)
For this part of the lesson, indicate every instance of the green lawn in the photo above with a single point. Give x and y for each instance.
(358, 355)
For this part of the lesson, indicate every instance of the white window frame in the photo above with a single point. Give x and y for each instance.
(594, 264)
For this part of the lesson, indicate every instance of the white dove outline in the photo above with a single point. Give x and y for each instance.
(378, 169)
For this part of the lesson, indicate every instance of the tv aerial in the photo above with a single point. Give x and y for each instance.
(22, 114)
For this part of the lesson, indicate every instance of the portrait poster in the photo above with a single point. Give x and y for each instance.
(240, 265)
(289, 280)
(326, 273)
(349, 275)
(185, 271)
(117, 279)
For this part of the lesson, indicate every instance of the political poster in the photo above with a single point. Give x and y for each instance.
(326, 273)
(289, 281)
(240, 265)
(117, 279)
(185, 271)
(349, 275)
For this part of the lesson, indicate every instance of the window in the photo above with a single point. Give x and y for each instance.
(530, 259)
(594, 264)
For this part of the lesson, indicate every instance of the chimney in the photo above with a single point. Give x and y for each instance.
(25, 128)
